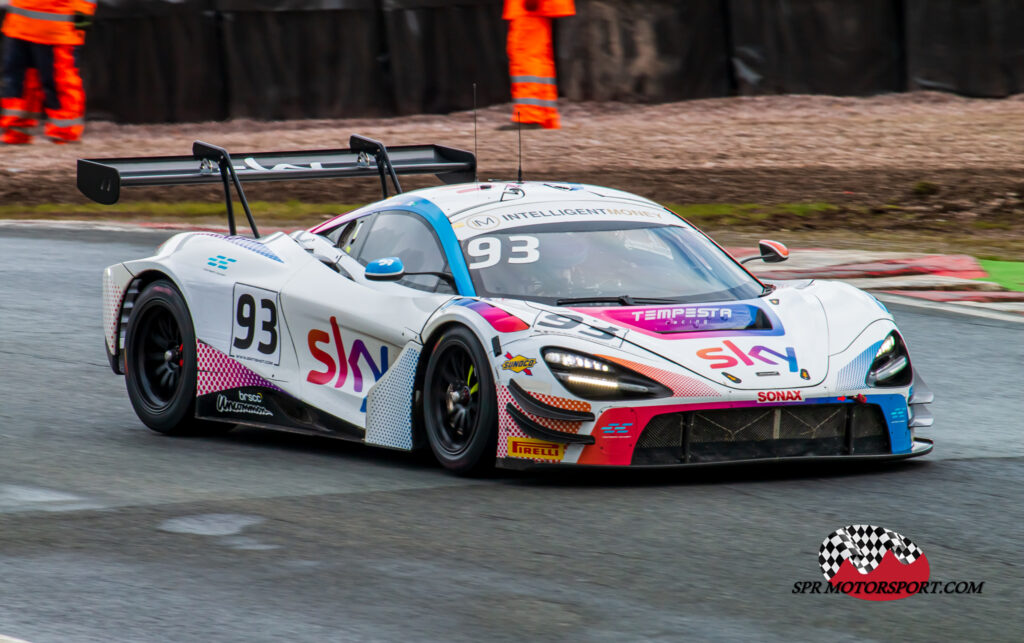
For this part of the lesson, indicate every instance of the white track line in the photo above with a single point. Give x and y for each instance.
(970, 311)
(910, 302)
(10, 639)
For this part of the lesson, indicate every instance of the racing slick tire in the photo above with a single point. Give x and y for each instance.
(160, 363)
(460, 410)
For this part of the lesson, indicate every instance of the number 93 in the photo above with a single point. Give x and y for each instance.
(487, 250)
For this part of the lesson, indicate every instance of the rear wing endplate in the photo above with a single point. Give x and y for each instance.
(102, 179)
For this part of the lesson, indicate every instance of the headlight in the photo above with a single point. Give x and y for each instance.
(593, 378)
(887, 346)
(891, 366)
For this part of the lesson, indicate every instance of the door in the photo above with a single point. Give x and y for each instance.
(348, 330)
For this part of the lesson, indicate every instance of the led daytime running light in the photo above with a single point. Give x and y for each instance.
(571, 360)
(601, 382)
(592, 381)
(594, 378)
(888, 346)
(890, 366)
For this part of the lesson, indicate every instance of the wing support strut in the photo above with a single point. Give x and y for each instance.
(366, 145)
(213, 154)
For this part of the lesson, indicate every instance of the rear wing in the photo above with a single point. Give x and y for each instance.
(102, 179)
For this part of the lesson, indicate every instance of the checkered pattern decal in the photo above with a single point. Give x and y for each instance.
(681, 385)
(248, 244)
(507, 427)
(864, 546)
(389, 403)
(855, 374)
(112, 296)
(562, 402)
(218, 372)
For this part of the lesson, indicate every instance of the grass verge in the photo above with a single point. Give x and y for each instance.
(1008, 274)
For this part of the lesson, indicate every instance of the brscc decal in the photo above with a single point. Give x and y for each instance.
(518, 364)
(336, 373)
(780, 396)
(763, 353)
(247, 403)
(535, 449)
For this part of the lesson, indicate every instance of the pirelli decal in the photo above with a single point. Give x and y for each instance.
(535, 449)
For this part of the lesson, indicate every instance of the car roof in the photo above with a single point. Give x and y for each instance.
(476, 208)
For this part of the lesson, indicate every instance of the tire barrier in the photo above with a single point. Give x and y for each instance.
(970, 48)
(151, 61)
(817, 46)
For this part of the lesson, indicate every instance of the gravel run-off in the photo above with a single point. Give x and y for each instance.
(922, 161)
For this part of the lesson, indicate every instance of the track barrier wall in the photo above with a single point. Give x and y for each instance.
(191, 60)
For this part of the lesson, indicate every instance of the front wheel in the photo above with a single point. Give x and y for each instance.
(459, 405)
(160, 362)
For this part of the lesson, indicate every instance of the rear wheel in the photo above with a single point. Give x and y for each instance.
(459, 406)
(160, 363)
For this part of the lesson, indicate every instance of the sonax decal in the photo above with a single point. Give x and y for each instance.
(780, 396)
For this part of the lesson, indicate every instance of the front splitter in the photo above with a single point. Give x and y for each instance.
(919, 447)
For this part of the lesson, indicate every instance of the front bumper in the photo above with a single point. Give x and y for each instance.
(920, 446)
(876, 426)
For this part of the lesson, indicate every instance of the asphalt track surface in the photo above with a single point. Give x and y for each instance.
(109, 532)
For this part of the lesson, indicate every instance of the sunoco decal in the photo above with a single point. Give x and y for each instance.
(518, 364)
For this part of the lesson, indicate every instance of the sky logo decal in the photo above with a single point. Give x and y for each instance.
(337, 372)
(220, 261)
(763, 353)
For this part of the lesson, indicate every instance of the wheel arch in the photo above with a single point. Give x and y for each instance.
(430, 340)
(135, 286)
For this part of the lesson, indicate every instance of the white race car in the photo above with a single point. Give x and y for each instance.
(510, 323)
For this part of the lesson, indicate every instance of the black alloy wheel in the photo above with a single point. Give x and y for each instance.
(459, 404)
(160, 363)
(160, 359)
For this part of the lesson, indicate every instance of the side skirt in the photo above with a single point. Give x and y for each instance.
(273, 409)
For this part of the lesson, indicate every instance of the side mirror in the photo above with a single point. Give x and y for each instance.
(771, 252)
(385, 269)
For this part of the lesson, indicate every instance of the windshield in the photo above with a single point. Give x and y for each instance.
(552, 263)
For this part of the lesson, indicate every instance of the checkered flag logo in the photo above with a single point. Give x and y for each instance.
(864, 546)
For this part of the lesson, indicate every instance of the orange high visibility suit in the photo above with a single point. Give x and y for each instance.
(41, 71)
(532, 60)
